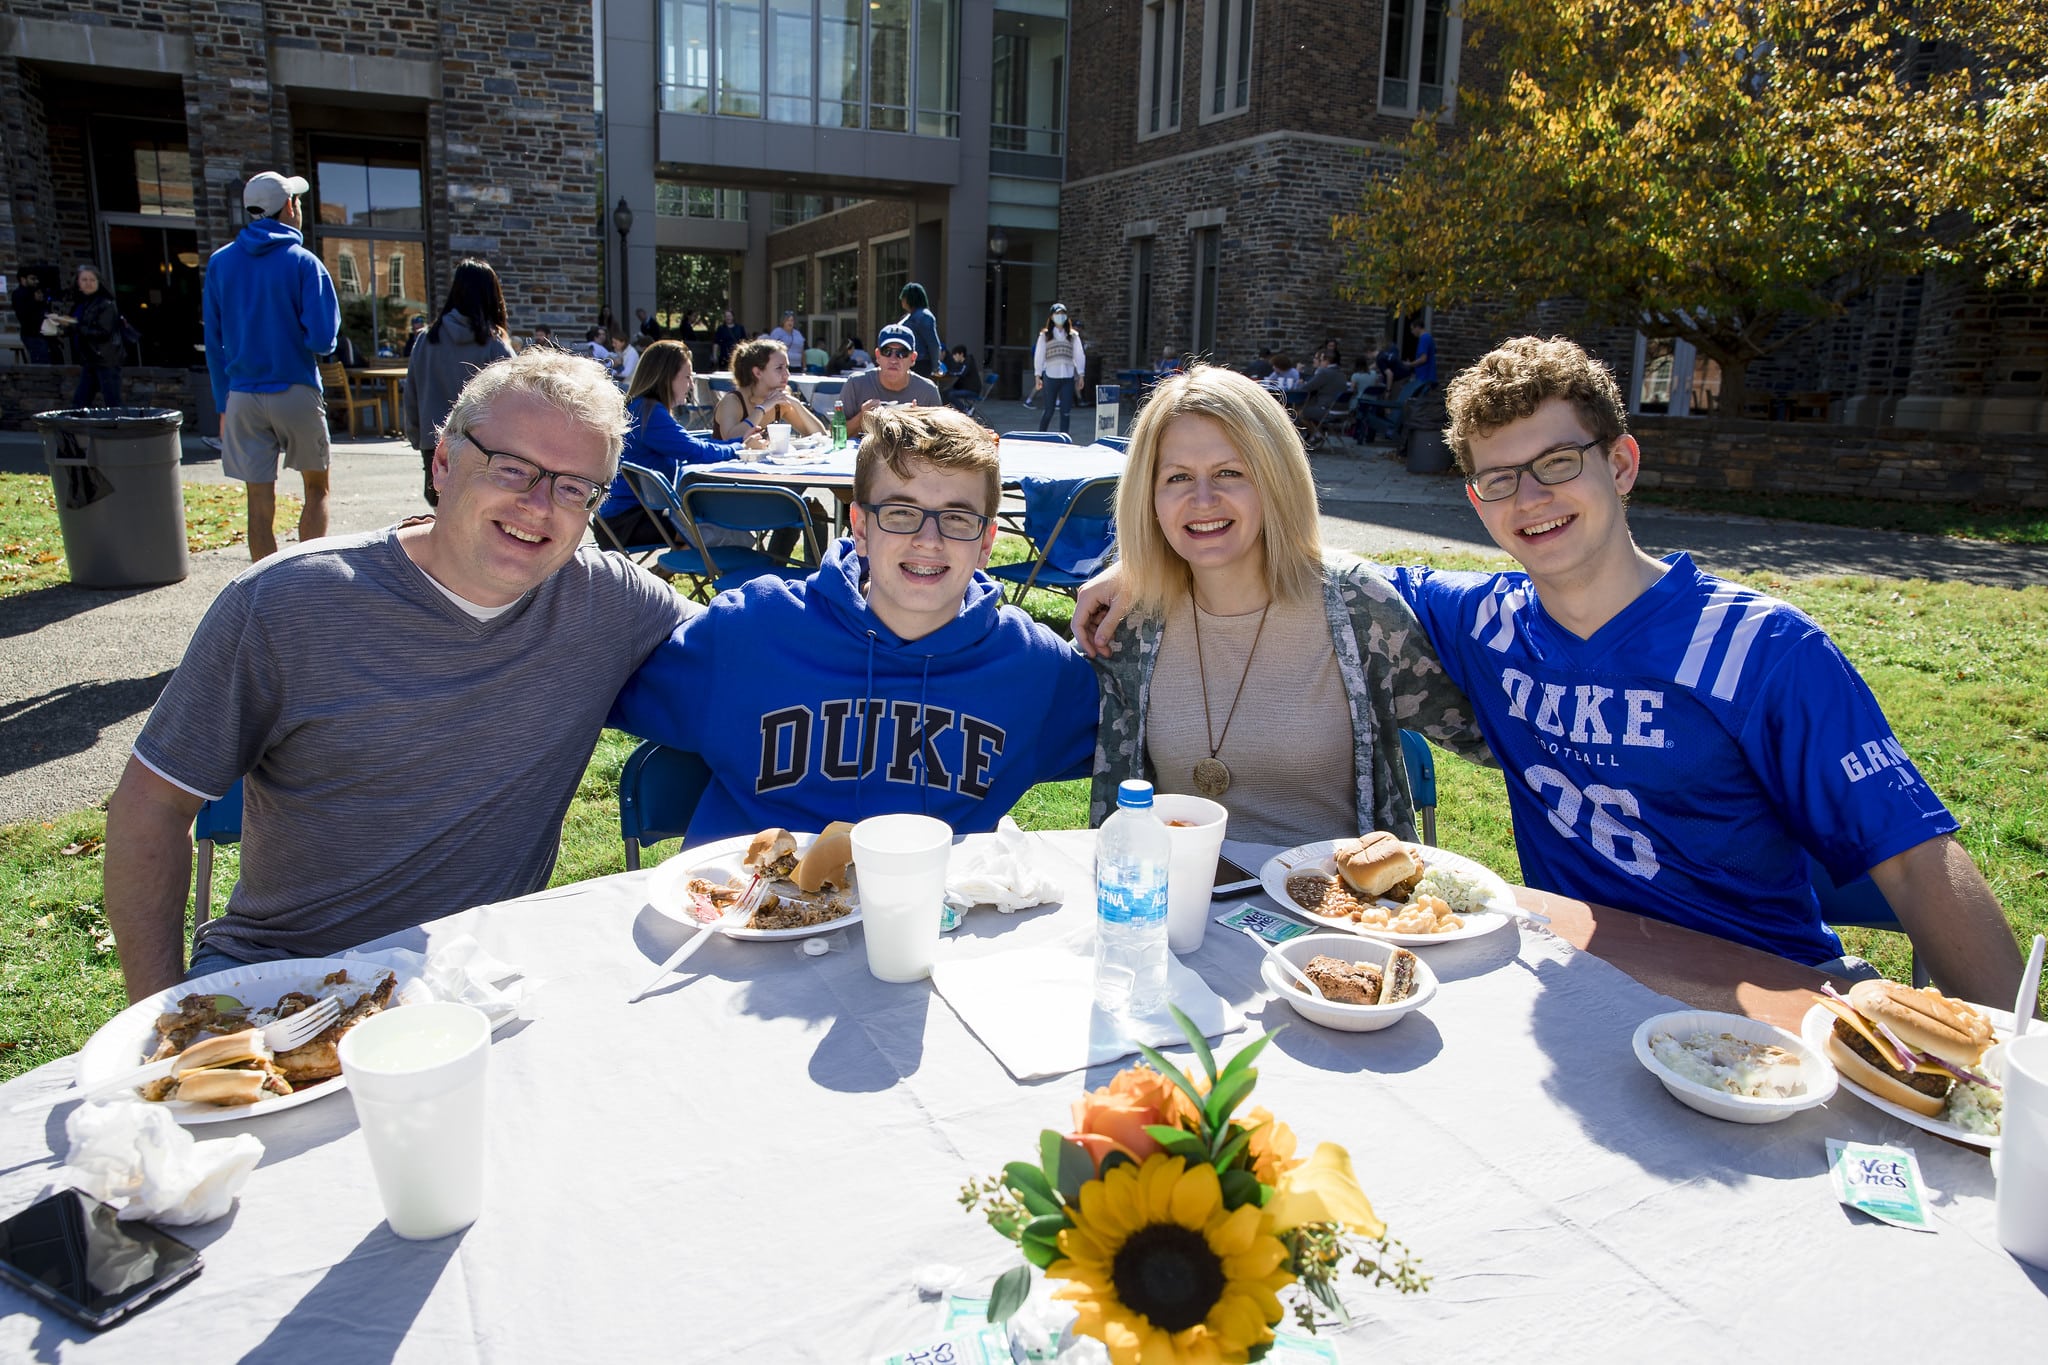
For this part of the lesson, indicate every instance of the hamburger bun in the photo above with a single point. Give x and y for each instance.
(220, 1085)
(1375, 864)
(227, 1050)
(1925, 1020)
(1881, 1081)
(770, 848)
(828, 862)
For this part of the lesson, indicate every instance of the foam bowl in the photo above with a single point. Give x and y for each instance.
(1328, 1013)
(1818, 1071)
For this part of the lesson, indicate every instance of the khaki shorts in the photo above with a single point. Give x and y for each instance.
(258, 425)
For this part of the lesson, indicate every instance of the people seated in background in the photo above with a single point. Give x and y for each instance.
(1323, 387)
(1393, 370)
(761, 395)
(964, 390)
(816, 358)
(1263, 366)
(894, 380)
(598, 346)
(544, 336)
(1286, 374)
(1250, 670)
(892, 679)
(790, 335)
(1169, 362)
(852, 358)
(394, 703)
(662, 386)
(624, 358)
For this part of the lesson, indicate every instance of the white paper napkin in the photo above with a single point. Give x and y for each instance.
(1007, 873)
(460, 970)
(137, 1157)
(1035, 1008)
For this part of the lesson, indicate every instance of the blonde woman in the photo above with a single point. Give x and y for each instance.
(1249, 669)
(761, 394)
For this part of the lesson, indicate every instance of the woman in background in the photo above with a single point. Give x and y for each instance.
(917, 316)
(470, 333)
(761, 394)
(97, 345)
(662, 385)
(1059, 362)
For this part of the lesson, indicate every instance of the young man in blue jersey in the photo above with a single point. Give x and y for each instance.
(892, 679)
(1675, 743)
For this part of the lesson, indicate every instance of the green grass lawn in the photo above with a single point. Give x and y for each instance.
(32, 546)
(1957, 667)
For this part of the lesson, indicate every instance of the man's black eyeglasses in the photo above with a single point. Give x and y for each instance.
(1552, 466)
(903, 519)
(516, 474)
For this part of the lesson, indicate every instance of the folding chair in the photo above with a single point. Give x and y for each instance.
(1421, 780)
(825, 395)
(757, 510)
(1393, 412)
(658, 793)
(685, 555)
(218, 822)
(1093, 501)
(1057, 438)
(1858, 904)
(1334, 422)
(1114, 442)
(607, 539)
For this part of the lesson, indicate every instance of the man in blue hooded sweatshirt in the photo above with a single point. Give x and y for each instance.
(271, 313)
(892, 679)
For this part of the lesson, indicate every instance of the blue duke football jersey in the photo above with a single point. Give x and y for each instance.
(1680, 761)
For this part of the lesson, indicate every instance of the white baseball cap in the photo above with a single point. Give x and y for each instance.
(268, 193)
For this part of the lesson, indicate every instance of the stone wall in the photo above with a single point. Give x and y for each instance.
(26, 390)
(1716, 454)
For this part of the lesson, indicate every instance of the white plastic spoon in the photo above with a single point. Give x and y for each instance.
(1285, 965)
(2030, 987)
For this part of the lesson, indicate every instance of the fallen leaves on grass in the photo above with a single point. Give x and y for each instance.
(89, 844)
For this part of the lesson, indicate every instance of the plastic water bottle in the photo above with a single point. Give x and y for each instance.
(839, 426)
(1130, 905)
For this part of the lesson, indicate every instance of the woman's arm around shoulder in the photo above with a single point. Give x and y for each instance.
(1393, 646)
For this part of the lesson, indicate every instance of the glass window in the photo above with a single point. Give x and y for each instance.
(839, 281)
(367, 220)
(789, 61)
(938, 68)
(739, 58)
(1227, 58)
(888, 64)
(892, 272)
(792, 291)
(141, 166)
(1159, 67)
(839, 66)
(685, 56)
(1419, 57)
(1028, 85)
(1141, 302)
(1206, 244)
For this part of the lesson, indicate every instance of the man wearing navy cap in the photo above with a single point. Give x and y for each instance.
(271, 313)
(892, 381)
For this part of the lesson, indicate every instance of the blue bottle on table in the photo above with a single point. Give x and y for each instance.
(1130, 905)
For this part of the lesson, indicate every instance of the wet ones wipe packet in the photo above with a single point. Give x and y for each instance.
(1883, 1182)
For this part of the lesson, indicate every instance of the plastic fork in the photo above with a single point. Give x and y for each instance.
(294, 1030)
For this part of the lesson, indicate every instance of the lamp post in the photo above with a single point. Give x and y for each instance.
(622, 219)
(998, 247)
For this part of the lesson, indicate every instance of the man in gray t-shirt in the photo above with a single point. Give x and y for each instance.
(409, 710)
(892, 382)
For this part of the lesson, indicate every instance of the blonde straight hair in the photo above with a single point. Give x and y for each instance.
(1154, 575)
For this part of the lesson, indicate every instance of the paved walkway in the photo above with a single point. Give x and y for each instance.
(79, 668)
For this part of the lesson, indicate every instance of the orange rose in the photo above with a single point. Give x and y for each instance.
(1113, 1118)
(1271, 1148)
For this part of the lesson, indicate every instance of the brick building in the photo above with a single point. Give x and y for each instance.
(429, 132)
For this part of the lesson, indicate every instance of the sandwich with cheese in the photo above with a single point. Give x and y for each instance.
(1905, 1045)
(772, 855)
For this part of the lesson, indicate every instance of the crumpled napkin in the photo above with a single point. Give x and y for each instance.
(1007, 874)
(121, 1150)
(460, 970)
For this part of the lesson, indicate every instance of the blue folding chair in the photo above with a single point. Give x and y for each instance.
(1421, 780)
(218, 822)
(1114, 442)
(824, 395)
(685, 556)
(1858, 904)
(1057, 438)
(756, 510)
(658, 793)
(1076, 547)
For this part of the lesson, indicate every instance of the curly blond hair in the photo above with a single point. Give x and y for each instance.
(1519, 376)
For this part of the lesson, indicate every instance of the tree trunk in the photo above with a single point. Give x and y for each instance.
(1734, 387)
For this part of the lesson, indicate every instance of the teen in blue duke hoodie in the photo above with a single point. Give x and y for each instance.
(807, 707)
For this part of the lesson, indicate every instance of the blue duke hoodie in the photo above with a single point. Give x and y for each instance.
(271, 313)
(808, 709)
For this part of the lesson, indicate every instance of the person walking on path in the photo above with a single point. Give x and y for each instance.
(1059, 362)
(470, 334)
(97, 344)
(917, 316)
(271, 313)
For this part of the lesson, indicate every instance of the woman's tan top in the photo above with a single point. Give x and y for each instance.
(1289, 747)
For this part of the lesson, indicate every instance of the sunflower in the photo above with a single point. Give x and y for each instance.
(1158, 1269)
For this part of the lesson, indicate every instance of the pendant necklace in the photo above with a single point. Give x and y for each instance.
(1212, 775)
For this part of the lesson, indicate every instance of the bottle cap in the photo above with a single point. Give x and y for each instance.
(1134, 794)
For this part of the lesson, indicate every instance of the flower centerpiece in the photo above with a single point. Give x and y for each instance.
(1176, 1225)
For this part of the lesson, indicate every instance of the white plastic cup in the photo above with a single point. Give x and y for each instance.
(2022, 1163)
(778, 438)
(1194, 829)
(416, 1075)
(900, 864)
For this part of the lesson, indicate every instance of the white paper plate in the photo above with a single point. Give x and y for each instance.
(1320, 857)
(125, 1041)
(719, 862)
(1815, 1026)
(1721, 1104)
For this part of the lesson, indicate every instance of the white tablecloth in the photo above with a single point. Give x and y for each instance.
(754, 1162)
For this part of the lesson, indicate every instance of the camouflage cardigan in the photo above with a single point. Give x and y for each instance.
(1391, 675)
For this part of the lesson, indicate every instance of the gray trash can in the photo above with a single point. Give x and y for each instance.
(120, 501)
